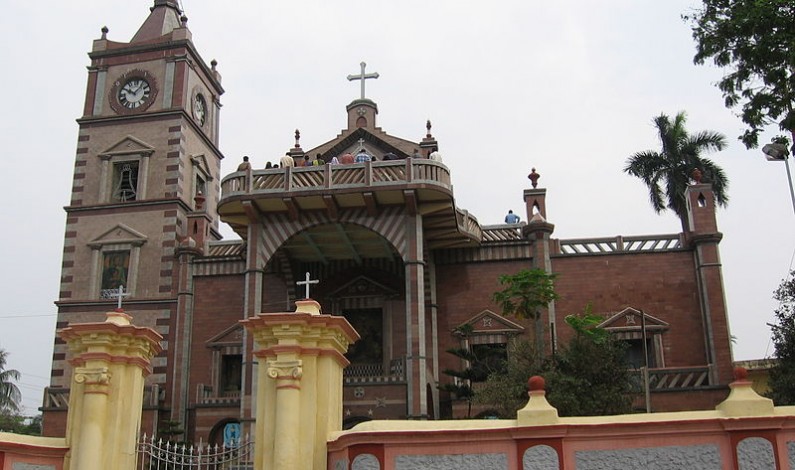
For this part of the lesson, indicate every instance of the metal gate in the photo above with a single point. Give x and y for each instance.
(157, 454)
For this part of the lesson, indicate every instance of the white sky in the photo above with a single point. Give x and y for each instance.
(569, 87)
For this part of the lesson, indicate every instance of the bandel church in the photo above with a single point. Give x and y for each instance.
(369, 229)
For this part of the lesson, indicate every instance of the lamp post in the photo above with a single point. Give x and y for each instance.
(777, 152)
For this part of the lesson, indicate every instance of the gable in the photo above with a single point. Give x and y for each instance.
(128, 145)
(363, 286)
(119, 234)
(632, 319)
(488, 322)
(200, 161)
(231, 336)
(375, 144)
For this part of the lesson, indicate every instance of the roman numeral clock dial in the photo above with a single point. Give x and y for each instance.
(133, 92)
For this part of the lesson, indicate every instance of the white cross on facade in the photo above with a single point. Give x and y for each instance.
(362, 76)
(361, 143)
(306, 283)
(119, 295)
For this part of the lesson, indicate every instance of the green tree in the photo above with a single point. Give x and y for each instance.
(10, 396)
(590, 376)
(782, 375)
(524, 294)
(506, 391)
(755, 40)
(480, 362)
(667, 172)
(18, 424)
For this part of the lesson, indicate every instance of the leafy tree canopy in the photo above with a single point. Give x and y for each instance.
(525, 292)
(10, 396)
(667, 172)
(755, 39)
(782, 376)
(588, 376)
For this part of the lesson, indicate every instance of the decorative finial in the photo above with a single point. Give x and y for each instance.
(199, 200)
(297, 138)
(740, 374)
(184, 20)
(533, 176)
(213, 63)
(536, 383)
(428, 128)
(696, 174)
(105, 32)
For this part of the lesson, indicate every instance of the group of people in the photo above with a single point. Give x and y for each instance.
(348, 158)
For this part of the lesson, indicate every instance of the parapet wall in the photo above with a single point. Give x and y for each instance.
(745, 431)
(31, 452)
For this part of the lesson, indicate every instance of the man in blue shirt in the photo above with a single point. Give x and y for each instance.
(362, 156)
(511, 218)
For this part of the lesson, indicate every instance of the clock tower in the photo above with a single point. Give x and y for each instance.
(146, 176)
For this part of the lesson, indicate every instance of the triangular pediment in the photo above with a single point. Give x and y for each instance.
(128, 145)
(117, 235)
(488, 322)
(231, 336)
(632, 319)
(376, 143)
(201, 163)
(363, 286)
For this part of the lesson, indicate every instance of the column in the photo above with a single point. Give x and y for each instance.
(299, 397)
(111, 362)
(416, 367)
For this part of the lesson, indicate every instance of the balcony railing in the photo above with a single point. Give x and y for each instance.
(316, 178)
(206, 396)
(374, 373)
(676, 379)
(648, 243)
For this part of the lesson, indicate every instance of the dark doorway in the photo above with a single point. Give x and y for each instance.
(369, 324)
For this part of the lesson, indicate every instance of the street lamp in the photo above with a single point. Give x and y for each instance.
(777, 152)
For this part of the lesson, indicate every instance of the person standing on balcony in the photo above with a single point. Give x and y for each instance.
(347, 159)
(511, 218)
(416, 154)
(363, 156)
(286, 161)
(435, 155)
(245, 165)
(318, 161)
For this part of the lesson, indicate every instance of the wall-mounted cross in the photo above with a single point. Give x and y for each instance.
(362, 76)
(306, 283)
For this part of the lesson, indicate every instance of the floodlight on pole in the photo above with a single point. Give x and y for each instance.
(775, 153)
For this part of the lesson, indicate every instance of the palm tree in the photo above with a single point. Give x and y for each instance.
(10, 395)
(667, 172)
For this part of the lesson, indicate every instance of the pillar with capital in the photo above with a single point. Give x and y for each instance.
(299, 395)
(111, 360)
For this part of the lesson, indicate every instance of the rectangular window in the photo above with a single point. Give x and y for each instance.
(634, 353)
(115, 266)
(370, 348)
(125, 181)
(231, 373)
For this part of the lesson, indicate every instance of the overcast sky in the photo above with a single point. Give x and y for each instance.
(568, 87)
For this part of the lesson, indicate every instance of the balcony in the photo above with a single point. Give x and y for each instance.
(205, 395)
(358, 374)
(420, 185)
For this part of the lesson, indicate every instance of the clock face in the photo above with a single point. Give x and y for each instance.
(199, 108)
(134, 93)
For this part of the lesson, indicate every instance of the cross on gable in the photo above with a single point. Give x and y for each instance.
(362, 76)
(119, 294)
(306, 283)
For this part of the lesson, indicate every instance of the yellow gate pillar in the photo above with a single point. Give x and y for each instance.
(299, 385)
(110, 362)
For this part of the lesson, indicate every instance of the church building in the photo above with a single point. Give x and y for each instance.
(380, 241)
